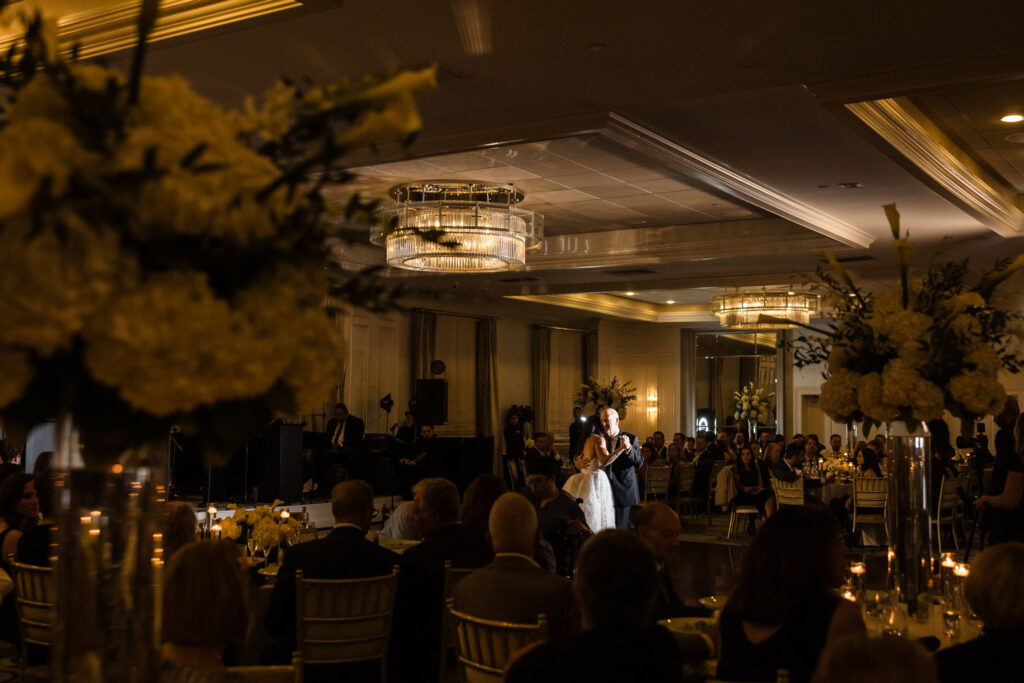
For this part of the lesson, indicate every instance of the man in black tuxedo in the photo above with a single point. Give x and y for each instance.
(621, 473)
(425, 459)
(658, 447)
(787, 470)
(577, 431)
(346, 433)
(343, 554)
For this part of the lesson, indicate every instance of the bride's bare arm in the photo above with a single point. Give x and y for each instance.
(604, 458)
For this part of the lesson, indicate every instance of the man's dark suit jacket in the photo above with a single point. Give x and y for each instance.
(355, 430)
(605, 654)
(417, 636)
(343, 554)
(513, 588)
(576, 434)
(622, 475)
(782, 472)
(993, 656)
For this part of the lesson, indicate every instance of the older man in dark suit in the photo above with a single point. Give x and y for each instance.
(622, 472)
(513, 587)
(343, 554)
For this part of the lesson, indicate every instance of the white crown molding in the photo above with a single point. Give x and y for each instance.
(112, 26)
(617, 307)
(733, 183)
(900, 124)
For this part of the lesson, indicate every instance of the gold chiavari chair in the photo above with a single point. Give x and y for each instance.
(484, 645)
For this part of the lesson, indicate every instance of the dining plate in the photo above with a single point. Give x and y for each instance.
(694, 625)
(713, 602)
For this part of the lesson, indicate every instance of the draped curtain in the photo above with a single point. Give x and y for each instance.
(541, 376)
(590, 355)
(424, 341)
(488, 412)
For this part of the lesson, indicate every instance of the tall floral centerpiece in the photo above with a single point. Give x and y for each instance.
(752, 406)
(900, 357)
(593, 396)
(162, 262)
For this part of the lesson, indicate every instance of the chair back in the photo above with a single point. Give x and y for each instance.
(35, 594)
(291, 673)
(870, 493)
(788, 492)
(656, 481)
(345, 620)
(484, 645)
(452, 577)
(713, 478)
(949, 495)
(687, 475)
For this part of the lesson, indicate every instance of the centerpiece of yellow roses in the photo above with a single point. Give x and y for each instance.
(936, 342)
(162, 260)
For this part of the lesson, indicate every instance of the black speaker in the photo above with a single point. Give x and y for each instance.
(280, 463)
(431, 401)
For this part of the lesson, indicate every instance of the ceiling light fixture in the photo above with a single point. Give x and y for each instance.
(763, 310)
(1012, 118)
(630, 293)
(456, 226)
(670, 301)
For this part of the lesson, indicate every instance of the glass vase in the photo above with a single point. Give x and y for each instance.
(908, 518)
(109, 564)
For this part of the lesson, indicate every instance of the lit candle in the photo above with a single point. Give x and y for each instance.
(857, 568)
(849, 596)
(962, 571)
(947, 560)
(285, 514)
(216, 531)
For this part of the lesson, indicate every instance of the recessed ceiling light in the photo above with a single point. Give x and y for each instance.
(1012, 118)
(670, 301)
(790, 292)
(849, 186)
(630, 293)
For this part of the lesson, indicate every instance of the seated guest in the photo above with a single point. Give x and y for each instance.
(995, 591)
(658, 527)
(35, 546)
(343, 554)
(867, 467)
(180, 526)
(543, 447)
(751, 487)
(513, 587)
(785, 609)
(835, 447)
(658, 446)
(800, 439)
(19, 511)
(399, 525)
(204, 610)
(478, 500)
(813, 439)
(942, 458)
(723, 448)
(679, 439)
(765, 439)
(704, 456)
(1005, 501)
(425, 459)
(739, 440)
(420, 598)
(407, 433)
(615, 588)
(860, 659)
(786, 470)
(689, 449)
(562, 522)
(675, 454)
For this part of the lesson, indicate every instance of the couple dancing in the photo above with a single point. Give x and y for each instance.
(607, 478)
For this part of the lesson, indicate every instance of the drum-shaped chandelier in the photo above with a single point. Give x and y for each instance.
(457, 226)
(764, 310)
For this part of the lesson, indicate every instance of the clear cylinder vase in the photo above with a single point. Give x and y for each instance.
(108, 564)
(908, 518)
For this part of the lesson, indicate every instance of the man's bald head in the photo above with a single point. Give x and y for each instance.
(658, 526)
(513, 525)
(352, 503)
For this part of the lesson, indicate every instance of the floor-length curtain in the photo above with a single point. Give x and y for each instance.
(541, 376)
(488, 412)
(424, 341)
(590, 355)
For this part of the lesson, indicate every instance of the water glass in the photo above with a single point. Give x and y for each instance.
(951, 624)
(895, 623)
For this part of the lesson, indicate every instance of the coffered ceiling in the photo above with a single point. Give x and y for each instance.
(675, 149)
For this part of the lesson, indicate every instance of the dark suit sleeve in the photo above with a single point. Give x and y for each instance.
(354, 432)
(633, 454)
(784, 474)
(565, 617)
(280, 618)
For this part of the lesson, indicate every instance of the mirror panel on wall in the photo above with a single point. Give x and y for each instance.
(727, 361)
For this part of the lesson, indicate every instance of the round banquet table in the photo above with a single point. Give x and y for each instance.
(835, 489)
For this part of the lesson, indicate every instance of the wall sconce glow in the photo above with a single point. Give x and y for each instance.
(1012, 118)
(652, 403)
(630, 293)
(670, 301)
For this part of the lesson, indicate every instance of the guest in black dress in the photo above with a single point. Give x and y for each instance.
(35, 544)
(867, 466)
(995, 591)
(19, 508)
(942, 459)
(515, 450)
(785, 609)
(1005, 518)
(751, 485)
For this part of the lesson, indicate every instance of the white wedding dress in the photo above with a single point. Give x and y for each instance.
(598, 505)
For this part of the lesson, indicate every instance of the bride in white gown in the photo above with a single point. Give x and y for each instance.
(591, 484)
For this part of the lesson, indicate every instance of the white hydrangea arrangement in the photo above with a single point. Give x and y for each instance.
(907, 354)
(753, 404)
(593, 395)
(164, 261)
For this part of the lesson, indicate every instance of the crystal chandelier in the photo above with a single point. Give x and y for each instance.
(762, 310)
(456, 226)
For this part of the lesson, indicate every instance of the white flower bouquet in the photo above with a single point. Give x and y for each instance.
(752, 404)
(934, 343)
(264, 524)
(164, 261)
(593, 396)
